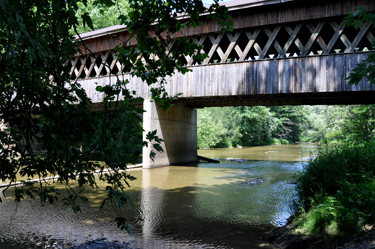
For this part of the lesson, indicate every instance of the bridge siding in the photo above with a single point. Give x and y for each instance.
(293, 75)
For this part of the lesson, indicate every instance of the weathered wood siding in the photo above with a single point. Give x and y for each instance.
(313, 74)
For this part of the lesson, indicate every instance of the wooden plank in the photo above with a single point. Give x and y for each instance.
(213, 81)
(205, 79)
(309, 72)
(286, 76)
(290, 82)
(251, 83)
(262, 77)
(223, 82)
(362, 83)
(296, 76)
(317, 79)
(245, 82)
(275, 76)
(303, 82)
(238, 74)
(232, 79)
(339, 76)
(283, 72)
(330, 76)
(322, 74)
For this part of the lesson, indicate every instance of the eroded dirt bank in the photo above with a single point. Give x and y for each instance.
(285, 238)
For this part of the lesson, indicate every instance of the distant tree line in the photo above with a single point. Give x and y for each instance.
(260, 125)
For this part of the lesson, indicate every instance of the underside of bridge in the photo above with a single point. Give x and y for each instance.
(325, 98)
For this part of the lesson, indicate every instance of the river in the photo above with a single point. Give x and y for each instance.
(194, 206)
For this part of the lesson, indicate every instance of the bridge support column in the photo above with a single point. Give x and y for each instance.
(177, 127)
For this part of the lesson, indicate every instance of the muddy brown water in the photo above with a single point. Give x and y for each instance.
(191, 206)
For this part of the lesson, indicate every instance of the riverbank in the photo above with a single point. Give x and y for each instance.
(336, 193)
(287, 238)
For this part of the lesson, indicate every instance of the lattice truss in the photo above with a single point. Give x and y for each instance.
(289, 40)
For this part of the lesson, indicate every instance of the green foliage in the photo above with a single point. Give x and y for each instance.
(332, 124)
(290, 122)
(100, 15)
(336, 190)
(209, 132)
(250, 125)
(365, 69)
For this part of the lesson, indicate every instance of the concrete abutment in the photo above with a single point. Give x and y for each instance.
(177, 126)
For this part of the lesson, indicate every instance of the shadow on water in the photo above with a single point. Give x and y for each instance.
(206, 206)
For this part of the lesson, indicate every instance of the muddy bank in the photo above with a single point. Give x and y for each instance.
(285, 238)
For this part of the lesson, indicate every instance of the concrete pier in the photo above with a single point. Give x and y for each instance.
(177, 127)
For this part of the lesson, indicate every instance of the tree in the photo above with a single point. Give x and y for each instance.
(209, 132)
(290, 120)
(101, 16)
(40, 105)
(365, 69)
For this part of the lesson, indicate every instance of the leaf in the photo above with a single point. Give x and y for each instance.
(87, 20)
(158, 147)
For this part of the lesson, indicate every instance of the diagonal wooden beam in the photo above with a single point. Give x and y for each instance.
(83, 66)
(314, 35)
(200, 42)
(215, 44)
(74, 63)
(370, 37)
(364, 28)
(275, 42)
(338, 31)
(292, 36)
(104, 62)
(170, 46)
(251, 37)
(115, 61)
(187, 57)
(93, 61)
(232, 43)
(269, 42)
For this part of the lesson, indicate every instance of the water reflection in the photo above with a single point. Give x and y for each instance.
(180, 207)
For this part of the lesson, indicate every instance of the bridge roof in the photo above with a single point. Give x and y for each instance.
(231, 5)
(246, 14)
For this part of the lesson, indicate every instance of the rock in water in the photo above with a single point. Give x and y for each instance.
(254, 181)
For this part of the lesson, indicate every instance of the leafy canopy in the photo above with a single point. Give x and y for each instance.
(39, 105)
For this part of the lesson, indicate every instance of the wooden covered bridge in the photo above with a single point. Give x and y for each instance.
(281, 52)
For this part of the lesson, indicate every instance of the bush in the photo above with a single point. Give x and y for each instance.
(336, 190)
(334, 164)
